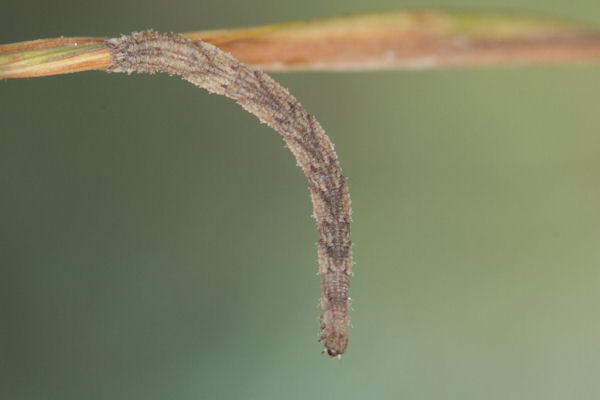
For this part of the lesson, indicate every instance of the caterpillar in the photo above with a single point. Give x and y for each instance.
(206, 66)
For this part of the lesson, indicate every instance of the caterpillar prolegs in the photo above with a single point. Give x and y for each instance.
(206, 66)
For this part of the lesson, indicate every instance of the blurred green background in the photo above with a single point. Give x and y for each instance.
(156, 241)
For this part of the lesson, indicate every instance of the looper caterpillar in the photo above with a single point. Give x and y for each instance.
(206, 66)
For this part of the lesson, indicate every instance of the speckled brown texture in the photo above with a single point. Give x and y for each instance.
(206, 66)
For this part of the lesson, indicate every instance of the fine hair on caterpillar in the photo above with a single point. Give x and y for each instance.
(206, 66)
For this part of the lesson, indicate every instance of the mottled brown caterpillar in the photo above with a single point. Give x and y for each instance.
(206, 66)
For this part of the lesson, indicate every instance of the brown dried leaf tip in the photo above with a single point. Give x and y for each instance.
(206, 66)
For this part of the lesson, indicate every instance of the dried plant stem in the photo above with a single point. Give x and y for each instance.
(206, 66)
(414, 39)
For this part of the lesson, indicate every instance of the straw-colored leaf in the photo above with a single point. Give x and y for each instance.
(387, 40)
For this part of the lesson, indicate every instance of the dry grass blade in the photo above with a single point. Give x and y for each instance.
(387, 40)
(408, 39)
(52, 57)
